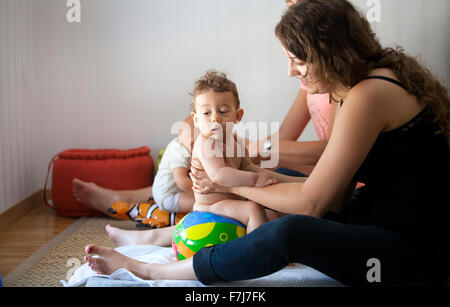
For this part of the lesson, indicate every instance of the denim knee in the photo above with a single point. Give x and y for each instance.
(293, 232)
(283, 233)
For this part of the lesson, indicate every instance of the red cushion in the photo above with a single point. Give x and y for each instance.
(110, 168)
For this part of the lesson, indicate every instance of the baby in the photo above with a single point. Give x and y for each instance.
(172, 187)
(215, 110)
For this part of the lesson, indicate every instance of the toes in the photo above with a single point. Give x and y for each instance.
(77, 189)
(110, 230)
(87, 249)
(95, 263)
(96, 250)
(77, 184)
(109, 227)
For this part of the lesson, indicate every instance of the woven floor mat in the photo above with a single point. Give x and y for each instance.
(59, 258)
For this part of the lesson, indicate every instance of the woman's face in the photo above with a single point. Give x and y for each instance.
(307, 73)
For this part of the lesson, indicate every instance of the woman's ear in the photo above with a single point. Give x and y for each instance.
(239, 115)
(194, 118)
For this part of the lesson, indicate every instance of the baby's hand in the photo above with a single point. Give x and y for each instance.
(264, 180)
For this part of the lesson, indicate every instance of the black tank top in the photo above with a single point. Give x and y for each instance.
(407, 183)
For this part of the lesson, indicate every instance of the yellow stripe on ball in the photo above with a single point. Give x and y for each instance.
(200, 231)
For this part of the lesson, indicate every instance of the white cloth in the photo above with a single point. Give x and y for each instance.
(297, 276)
(175, 155)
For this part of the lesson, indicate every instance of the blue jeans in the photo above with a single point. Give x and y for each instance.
(289, 172)
(338, 250)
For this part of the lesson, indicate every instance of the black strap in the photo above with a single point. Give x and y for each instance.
(387, 79)
(381, 78)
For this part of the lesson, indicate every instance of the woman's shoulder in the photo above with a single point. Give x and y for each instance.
(381, 78)
(386, 94)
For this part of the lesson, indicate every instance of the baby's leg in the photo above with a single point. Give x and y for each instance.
(158, 237)
(246, 212)
(101, 199)
(273, 215)
(108, 260)
(185, 202)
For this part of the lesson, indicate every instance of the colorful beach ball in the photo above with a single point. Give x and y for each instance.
(200, 229)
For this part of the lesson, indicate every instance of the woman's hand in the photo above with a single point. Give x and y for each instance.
(264, 180)
(200, 181)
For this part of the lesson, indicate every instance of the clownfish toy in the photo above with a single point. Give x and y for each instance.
(145, 214)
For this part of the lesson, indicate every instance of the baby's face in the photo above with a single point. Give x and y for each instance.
(213, 111)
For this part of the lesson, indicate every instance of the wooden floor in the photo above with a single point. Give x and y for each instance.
(29, 233)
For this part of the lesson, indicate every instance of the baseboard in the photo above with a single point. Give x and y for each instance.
(20, 209)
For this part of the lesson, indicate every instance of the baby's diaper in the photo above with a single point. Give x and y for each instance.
(168, 203)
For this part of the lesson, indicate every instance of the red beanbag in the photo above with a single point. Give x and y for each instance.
(113, 169)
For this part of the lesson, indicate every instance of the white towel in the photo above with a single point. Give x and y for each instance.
(297, 276)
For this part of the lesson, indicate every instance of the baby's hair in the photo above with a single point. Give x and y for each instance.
(216, 81)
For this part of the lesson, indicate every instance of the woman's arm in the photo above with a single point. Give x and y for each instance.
(289, 151)
(331, 118)
(296, 119)
(299, 153)
(248, 165)
(356, 128)
(292, 126)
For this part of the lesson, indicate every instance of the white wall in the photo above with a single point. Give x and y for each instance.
(420, 27)
(19, 157)
(121, 77)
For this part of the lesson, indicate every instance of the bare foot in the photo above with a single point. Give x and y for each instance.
(157, 237)
(109, 260)
(93, 196)
(126, 237)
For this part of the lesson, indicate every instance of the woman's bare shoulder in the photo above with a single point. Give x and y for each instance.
(395, 105)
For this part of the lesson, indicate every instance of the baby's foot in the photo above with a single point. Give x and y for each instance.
(126, 237)
(92, 195)
(109, 260)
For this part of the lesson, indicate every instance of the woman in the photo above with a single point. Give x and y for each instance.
(392, 114)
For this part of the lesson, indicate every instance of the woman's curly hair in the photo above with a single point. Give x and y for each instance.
(338, 39)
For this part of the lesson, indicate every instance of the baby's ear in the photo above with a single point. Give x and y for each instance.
(194, 118)
(239, 115)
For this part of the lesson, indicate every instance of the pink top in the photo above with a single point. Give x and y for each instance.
(319, 107)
